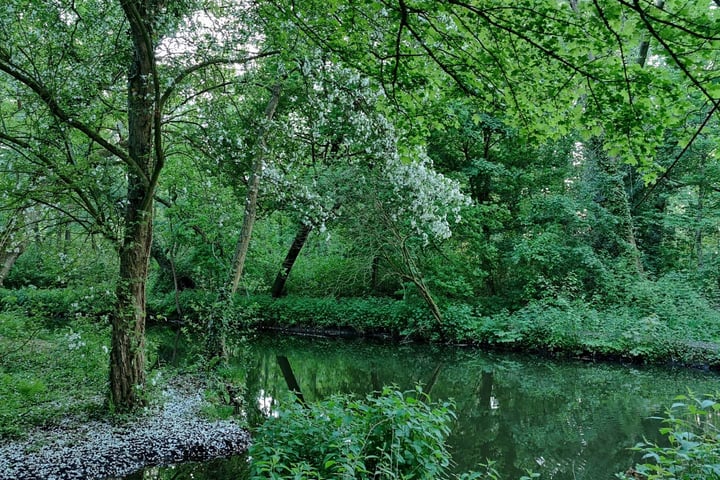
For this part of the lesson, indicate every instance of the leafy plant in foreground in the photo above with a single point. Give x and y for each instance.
(694, 436)
(392, 435)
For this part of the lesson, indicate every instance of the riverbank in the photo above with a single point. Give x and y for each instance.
(661, 333)
(174, 430)
(54, 368)
(54, 422)
(655, 328)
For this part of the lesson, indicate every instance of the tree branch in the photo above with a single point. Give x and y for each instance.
(58, 112)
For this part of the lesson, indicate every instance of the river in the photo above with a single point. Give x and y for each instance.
(567, 420)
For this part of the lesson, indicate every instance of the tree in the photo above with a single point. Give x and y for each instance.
(71, 83)
(251, 198)
(552, 66)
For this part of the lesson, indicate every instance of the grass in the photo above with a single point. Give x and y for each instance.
(48, 373)
(55, 369)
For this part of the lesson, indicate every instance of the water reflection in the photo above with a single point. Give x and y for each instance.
(566, 420)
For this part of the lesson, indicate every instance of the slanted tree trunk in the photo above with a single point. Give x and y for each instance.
(8, 259)
(252, 194)
(278, 288)
(408, 271)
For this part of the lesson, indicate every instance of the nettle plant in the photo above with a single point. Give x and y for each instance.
(392, 435)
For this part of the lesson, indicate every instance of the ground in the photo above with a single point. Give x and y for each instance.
(173, 431)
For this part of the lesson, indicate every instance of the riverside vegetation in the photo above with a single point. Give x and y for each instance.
(539, 177)
(41, 382)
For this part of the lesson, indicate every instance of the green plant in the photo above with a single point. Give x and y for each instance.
(393, 435)
(693, 434)
(47, 374)
(53, 305)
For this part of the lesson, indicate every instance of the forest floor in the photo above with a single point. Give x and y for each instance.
(54, 423)
(173, 431)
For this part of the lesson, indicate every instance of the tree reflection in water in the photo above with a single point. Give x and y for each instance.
(564, 419)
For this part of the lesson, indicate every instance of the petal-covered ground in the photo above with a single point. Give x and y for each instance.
(173, 433)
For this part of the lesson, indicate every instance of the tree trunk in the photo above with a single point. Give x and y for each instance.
(252, 194)
(127, 354)
(427, 297)
(698, 229)
(611, 194)
(619, 205)
(8, 259)
(278, 288)
(374, 272)
(13, 242)
(645, 43)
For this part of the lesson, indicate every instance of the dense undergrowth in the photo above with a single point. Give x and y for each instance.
(669, 329)
(390, 434)
(660, 326)
(47, 373)
(54, 368)
(402, 435)
(692, 451)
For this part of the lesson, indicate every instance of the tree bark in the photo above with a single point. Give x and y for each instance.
(8, 260)
(612, 195)
(699, 252)
(252, 195)
(127, 353)
(278, 288)
(10, 247)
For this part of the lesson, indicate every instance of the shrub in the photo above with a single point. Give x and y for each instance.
(362, 314)
(55, 304)
(47, 374)
(394, 435)
(694, 443)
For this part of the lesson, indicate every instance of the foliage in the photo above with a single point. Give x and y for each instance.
(392, 435)
(52, 306)
(45, 264)
(365, 315)
(54, 370)
(530, 133)
(657, 331)
(47, 374)
(693, 453)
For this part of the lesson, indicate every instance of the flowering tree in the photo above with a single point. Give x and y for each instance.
(63, 62)
(337, 158)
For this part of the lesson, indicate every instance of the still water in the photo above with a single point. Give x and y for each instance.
(568, 420)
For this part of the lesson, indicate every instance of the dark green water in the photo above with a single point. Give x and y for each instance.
(567, 420)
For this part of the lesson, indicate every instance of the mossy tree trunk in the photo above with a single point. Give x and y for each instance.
(127, 355)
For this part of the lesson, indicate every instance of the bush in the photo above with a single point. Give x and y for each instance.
(694, 443)
(365, 315)
(557, 325)
(47, 374)
(52, 305)
(394, 435)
